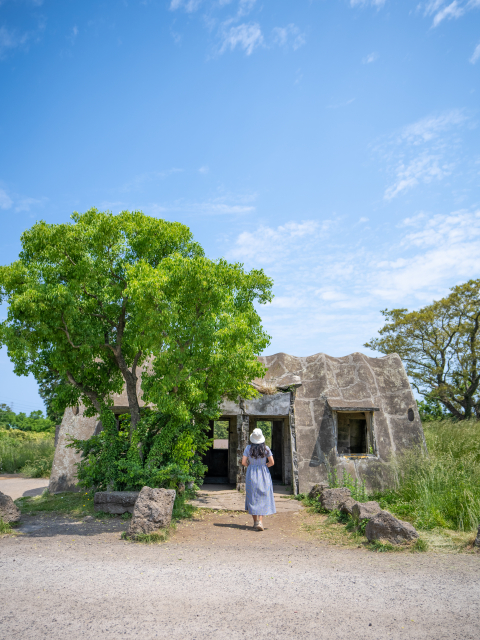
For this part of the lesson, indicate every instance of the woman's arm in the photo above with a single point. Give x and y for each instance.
(245, 461)
(270, 461)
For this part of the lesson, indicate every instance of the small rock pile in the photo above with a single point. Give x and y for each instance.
(381, 525)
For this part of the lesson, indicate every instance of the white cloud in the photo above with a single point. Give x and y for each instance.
(363, 3)
(225, 204)
(447, 10)
(290, 34)
(246, 36)
(424, 151)
(476, 54)
(11, 39)
(370, 58)
(187, 5)
(5, 200)
(332, 278)
(204, 169)
(139, 181)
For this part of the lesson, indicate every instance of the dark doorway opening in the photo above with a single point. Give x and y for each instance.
(273, 432)
(216, 458)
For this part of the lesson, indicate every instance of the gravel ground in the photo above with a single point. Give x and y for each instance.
(216, 578)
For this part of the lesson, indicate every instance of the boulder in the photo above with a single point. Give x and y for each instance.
(383, 526)
(365, 510)
(153, 511)
(115, 501)
(331, 499)
(477, 539)
(316, 490)
(9, 512)
(347, 506)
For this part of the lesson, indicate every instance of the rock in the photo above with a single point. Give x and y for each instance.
(365, 510)
(9, 512)
(331, 499)
(384, 526)
(316, 490)
(153, 511)
(115, 501)
(89, 519)
(477, 539)
(189, 486)
(347, 506)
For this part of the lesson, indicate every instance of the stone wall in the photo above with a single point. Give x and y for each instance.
(355, 382)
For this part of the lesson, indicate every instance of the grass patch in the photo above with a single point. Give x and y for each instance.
(26, 452)
(5, 527)
(441, 489)
(69, 504)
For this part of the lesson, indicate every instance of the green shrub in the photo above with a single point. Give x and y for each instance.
(440, 488)
(31, 454)
(357, 488)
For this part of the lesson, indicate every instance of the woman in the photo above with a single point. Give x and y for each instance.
(259, 500)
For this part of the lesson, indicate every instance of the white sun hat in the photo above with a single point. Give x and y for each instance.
(257, 437)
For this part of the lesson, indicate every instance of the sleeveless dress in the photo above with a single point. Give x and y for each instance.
(258, 486)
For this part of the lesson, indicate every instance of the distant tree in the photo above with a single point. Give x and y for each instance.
(34, 422)
(91, 301)
(440, 347)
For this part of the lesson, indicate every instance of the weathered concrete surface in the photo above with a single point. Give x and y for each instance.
(152, 511)
(64, 469)
(115, 501)
(384, 526)
(16, 486)
(9, 512)
(352, 383)
(82, 581)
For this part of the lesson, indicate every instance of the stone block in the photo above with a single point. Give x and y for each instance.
(9, 512)
(316, 491)
(362, 511)
(385, 527)
(153, 511)
(331, 499)
(115, 501)
(347, 506)
(477, 539)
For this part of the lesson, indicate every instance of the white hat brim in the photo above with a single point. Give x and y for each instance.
(254, 440)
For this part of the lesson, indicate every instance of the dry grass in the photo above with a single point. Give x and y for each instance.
(265, 387)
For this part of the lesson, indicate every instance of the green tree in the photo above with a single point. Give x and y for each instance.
(440, 345)
(93, 300)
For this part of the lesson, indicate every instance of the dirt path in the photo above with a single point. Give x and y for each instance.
(16, 486)
(216, 578)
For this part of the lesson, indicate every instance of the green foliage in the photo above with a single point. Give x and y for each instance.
(266, 427)
(5, 527)
(382, 547)
(419, 546)
(112, 460)
(357, 488)
(431, 409)
(440, 346)
(34, 422)
(92, 301)
(69, 504)
(220, 429)
(28, 453)
(49, 389)
(441, 488)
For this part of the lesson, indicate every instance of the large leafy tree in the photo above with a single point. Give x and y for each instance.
(440, 346)
(93, 300)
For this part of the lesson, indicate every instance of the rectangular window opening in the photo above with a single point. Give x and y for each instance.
(220, 434)
(354, 433)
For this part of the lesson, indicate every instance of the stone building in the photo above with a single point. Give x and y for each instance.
(324, 414)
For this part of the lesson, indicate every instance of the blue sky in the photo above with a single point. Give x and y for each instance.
(335, 143)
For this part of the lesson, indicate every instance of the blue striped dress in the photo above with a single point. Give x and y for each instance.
(258, 486)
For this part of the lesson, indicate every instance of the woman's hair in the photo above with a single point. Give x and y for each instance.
(258, 450)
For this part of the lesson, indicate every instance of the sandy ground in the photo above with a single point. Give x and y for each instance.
(16, 486)
(217, 578)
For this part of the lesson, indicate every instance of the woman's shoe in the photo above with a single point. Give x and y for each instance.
(259, 526)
